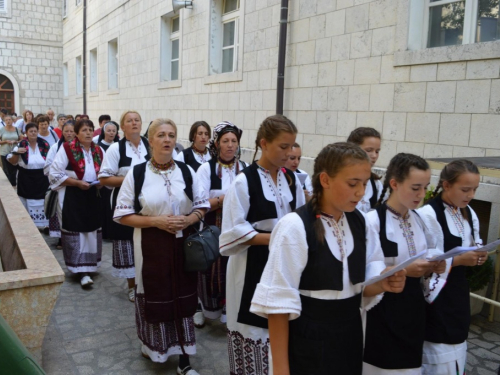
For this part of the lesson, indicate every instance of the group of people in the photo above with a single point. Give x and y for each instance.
(295, 249)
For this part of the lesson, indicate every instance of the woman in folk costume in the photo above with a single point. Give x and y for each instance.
(395, 326)
(198, 153)
(120, 157)
(453, 223)
(32, 184)
(293, 164)
(369, 140)
(214, 178)
(108, 135)
(73, 174)
(67, 135)
(261, 195)
(161, 199)
(311, 289)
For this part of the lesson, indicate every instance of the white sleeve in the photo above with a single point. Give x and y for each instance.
(433, 284)
(203, 175)
(278, 290)
(50, 158)
(95, 139)
(200, 197)
(126, 197)
(300, 196)
(109, 167)
(475, 230)
(375, 260)
(236, 230)
(308, 184)
(179, 156)
(379, 186)
(57, 171)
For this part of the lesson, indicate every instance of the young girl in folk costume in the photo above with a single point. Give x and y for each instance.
(311, 289)
(161, 199)
(453, 223)
(369, 140)
(395, 326)
(120, 157)
(262, 194)
(293, 163)
(198, 153)
(214, 178)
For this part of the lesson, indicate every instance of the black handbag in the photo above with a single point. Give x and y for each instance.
(201, 249)
(50, 204)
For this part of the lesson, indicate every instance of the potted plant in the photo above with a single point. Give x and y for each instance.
(479, 277)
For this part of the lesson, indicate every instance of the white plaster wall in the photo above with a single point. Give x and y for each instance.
(31, 51)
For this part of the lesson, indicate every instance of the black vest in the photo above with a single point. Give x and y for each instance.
(215, 181)
(260, 207)
(140, 174)
(448, 317)
(189, 158)
(373, 198)
(125, 161)
(389, 248)
(323, 271)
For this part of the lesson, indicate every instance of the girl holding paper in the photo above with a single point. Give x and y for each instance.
(395, 327)
(312, 300)
(454, 224)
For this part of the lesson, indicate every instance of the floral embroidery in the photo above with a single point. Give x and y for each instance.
(247, 356)
(76, 157)
(124, 207)
(405, 225)
(42, 144)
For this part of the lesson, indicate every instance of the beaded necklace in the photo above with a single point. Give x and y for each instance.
(276, 189)
(338, 231)
(201, 153)
(136, 150)
(164, 170)
(405, 226)
(229, 166)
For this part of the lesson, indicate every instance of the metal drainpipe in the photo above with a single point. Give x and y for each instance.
(84, 83)
(281, 57)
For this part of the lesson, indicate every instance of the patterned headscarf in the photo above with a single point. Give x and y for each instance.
(217, 133)
(76, 158)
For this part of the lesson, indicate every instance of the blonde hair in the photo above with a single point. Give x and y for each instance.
(122, 118)
(155, 124)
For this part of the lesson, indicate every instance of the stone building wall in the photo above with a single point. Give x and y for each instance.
(31, 52)
(347, 66)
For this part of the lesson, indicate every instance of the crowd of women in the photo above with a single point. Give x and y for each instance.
(295, 250)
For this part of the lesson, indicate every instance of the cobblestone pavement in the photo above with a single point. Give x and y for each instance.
(93, 332)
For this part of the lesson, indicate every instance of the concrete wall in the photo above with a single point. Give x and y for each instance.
(346, 67)
(31, 52)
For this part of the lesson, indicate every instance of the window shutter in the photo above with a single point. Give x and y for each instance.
(3, 5)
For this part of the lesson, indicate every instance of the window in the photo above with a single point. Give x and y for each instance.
(78, 68)
(65, 79)
(93, 70)
(170, 48)
(3, 6)
(224, 41)
(65, 8)
(113, 64)
(78, 2)
(457, 22)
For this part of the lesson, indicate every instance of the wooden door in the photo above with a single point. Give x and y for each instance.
(7, 94)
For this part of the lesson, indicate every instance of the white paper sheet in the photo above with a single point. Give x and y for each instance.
(461, 250)
(302, 177)
(397, 268)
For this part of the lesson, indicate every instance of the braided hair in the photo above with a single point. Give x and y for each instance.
(399, 169)
(331, 159)
(451, 173)
(270, 129)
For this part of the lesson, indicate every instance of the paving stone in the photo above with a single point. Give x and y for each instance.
(490, 336)
(482, 343)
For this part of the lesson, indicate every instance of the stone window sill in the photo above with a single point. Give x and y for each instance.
(113, 91)
(93, 93)
(169, 84)
(224, 77)
(465, 52)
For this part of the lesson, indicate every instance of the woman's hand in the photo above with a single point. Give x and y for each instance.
(419, 268)
(470, 258)
(439, 267)
(21, 150)
(170, 223)
(83, 185)
(394, 283)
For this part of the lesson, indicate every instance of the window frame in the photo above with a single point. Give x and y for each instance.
(175, 35)
(167, 36)
(78, 75)
(65, 80)
(116, 80)
(93, 71)
(5, 12)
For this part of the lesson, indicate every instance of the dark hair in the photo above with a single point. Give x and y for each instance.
(358, 135)
(30, 125)
(84, 117)
(106, 118)
(331, 159)
(399, 169)
(271, 127)
(296, 145)
(83, 122)
(4, 111)
(42, 118)
(451, 173)
(194, 129)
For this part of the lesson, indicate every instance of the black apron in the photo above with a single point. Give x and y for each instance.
(32, 183)
(395, 326)
(82, 210)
